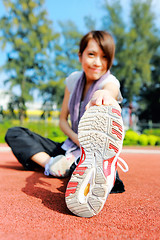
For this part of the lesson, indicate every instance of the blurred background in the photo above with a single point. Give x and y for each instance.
(39, 41)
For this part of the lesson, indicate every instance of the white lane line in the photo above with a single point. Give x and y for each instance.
(141, 151)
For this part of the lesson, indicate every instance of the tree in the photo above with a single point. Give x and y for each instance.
(66, 50)
(135, 43)
(148, 60)
(27, 35)
(149, 99)
(137, 54)
(65, 62)
(113, 22)
(90, 23)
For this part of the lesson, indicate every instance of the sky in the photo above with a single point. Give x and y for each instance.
(63, 10)
(75, 10)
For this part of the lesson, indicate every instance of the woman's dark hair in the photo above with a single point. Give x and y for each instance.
(104, 40)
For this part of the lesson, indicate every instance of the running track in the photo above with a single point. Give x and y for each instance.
(32, 206)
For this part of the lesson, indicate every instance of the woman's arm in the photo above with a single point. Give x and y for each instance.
(106, 96)
(63, 122)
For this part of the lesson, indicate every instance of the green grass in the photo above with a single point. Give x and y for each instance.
(48, 130)
(53, 132)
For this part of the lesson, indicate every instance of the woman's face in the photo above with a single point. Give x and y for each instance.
(94, 61)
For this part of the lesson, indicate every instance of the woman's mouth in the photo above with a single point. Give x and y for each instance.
(96, 70)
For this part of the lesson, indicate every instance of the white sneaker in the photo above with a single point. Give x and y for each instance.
(59, 166)
(100, 134)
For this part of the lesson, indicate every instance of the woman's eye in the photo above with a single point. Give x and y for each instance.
(104, 56)
(91, 54)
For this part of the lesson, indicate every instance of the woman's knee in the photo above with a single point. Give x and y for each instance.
(12, 133)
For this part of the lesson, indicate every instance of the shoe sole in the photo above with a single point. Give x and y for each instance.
(100, 134)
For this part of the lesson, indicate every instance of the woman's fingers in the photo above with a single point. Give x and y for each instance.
(99, 98)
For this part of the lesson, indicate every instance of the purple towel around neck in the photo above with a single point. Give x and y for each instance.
(75, 110)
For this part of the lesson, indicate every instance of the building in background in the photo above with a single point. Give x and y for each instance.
(36, 110)
(5, 97)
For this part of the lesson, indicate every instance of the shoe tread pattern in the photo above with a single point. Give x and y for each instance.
(95, 130)
(95, 136)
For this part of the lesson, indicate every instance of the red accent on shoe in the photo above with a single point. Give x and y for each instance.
(83, 156)
(117, 125)
(116, 111)
(119, 135)
(111, 146)
(107, 171)
(71, 188)
(79, 170)
(69, 191)
(72, 184)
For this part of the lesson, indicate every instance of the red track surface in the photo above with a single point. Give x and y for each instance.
(32, 206)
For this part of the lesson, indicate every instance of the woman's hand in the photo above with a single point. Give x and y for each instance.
(75, 139)
(102, 97)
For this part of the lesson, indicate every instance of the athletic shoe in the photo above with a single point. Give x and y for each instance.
(60, 165)
(100, 134)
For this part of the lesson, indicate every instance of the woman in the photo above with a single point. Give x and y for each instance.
(94, 87)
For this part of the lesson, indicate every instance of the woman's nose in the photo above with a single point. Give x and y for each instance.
(97, 61)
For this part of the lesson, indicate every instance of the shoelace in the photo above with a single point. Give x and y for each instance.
(119, 159)
(124, 163)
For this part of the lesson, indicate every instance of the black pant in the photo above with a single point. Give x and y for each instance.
(25, 144)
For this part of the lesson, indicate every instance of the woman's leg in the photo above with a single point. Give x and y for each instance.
(41, 158)
(31, 149)
(28, 146)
